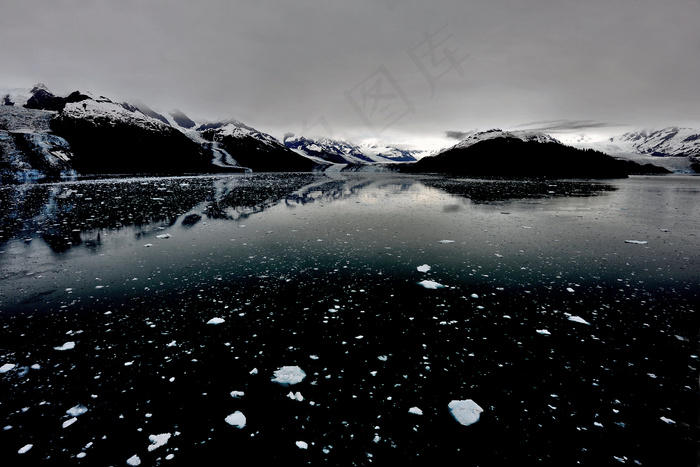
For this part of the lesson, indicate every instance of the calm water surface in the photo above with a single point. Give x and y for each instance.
(567, 310)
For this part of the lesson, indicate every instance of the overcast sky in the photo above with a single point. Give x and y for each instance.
(403, 71)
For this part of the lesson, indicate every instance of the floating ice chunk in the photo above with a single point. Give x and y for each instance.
(133, 461)
(431, 284)
(313, 357)
(69, 422)
(423, 268)
(578, 319)
(163, 236)
(446, 241)
(302, 445)
(254, 371)
(236, 419)
(237, 394)
(77, 411)
(544, 332)
(25, 448)
(158, 440)
(569, 289)
(668, 420)
(288, 375)
(383, 358)
(148, 245)
(66, 346)
(466, 412)
(296, 397)
(415, 411)
(7, 367)
(474, 295)
(637, 242)
(215, 321)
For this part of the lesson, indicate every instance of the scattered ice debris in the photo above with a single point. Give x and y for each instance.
(415, 411)
(446, 241)
(578, 319)
(302, 445)
(383, 358)
(296, 397)
(423, 268)
(133, 461)
(466, 412)
(668, 420)
(236, 419)
(25, 448)
(215, 321)
(77, 411)
(163, 236)
(431, 284)
(69, 422)
(7, 367)
(237, 394)
(158, 440)
(66, 346)
(544, 332)
(569, 289)
(637, 242)
(288, 375)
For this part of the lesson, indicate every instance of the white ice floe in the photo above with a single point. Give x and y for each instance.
(446, 241)
(7, 367)
(415, 411)
(148, 245)
(423, 268)
(69, 422)
(569, 289)
(637, 242)
(302, 445)
(25, 448)
(77, 411)
(474, 295)
(431, 284)
(544, 332)
(668, 420)
(158, 440)
(236, 419)
(133, 461)
(383, 358)
(578, 319)
(466, 412)
(215, 321)
(66, 346)
(163, 236)
(288, 375)
(296, 397)
(237, 394)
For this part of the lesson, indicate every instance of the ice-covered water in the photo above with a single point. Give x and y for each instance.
(140, 321)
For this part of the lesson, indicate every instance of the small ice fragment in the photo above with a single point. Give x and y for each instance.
(7, 367)
(578, 319)
(66, 346)
(215, 321)
(431, 284)
(668, 420)
(25, 448)
(544, 332)
(77, 411)
(169, 457)
(313, 357)
(415, 411)
(133, 461)
(569, 289)
(359, 337)
(158, 440)
(637, 242)
(163, 236)
(423, 268)
(466, 412)
(297, 396)
(236, 419)
(288, 375)
(446, 241)
(302, 445)
(383, 358)
(237, 394)
(474, 295)
(254, 371)
(69, 422)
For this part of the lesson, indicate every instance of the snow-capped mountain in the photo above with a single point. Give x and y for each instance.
(335, 151)
(525, 135)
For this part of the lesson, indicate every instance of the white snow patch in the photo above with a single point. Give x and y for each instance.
(7, 367)
(288, 375)
(66, 346)
(25, 448)
(158, 440)
(578, 319)
(466, 412)
(77, 411)
(423, 268)
(133, 460)
(415, 411)
(236, 419)
(431, 284)
(215, 321)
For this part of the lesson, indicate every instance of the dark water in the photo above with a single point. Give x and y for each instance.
(581, 347)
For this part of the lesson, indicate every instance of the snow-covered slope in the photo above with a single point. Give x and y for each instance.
(479, 136)
(344, 152)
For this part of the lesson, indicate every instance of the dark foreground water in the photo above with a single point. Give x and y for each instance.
(142, 321)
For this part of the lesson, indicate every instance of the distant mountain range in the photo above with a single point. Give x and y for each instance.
(43, 135)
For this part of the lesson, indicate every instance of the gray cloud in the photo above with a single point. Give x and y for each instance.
(396, 70)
